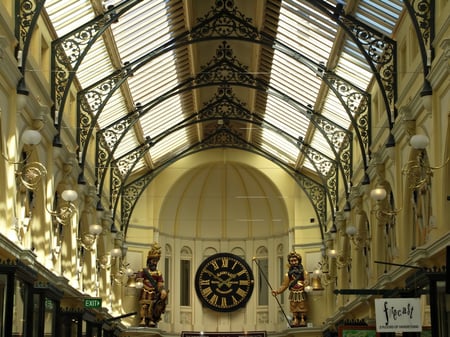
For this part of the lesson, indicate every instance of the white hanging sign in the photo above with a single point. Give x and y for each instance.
(398, 315)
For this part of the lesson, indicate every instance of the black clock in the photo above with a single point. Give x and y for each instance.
(224, 282)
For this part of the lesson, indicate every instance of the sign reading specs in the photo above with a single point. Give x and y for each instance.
(398, 315)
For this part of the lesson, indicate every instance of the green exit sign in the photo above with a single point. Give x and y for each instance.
(93, 302)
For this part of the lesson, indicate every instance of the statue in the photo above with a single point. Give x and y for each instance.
(153, 295)
(296, 280)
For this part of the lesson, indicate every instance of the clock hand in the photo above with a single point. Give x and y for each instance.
(213, 275)
(227, 282)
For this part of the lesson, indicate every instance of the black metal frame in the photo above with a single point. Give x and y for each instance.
(17, 270)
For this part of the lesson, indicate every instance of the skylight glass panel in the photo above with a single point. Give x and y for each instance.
(169, 144)
(142, 30)
(335, 111)
(286, 117)
(305, 30)
(68, 15)
(154, 79)
(113, 110)
(279, 147)
(97, 58)
(379, 14)
(353, 67)
(294, 79)
(319, 143)
(162, 117)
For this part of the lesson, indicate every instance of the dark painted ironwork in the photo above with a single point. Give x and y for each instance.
(69, 51)
(224, 68)
(241, 29)
(326, 167)
(357, 103)
(421, 13)
(122, 167)
(379, 50)
(223, 21)
(90, 102)
(225, 107)
(27, 14)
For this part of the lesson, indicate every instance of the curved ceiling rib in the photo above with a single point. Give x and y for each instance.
(68, 52)
(301, 69)
(226, 70)
(378, 49)
(122, 168)
(92, 99)
(87, 95)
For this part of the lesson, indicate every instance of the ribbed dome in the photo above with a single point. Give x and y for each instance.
(224, 201)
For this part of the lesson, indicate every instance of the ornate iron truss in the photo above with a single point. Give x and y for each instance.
(379, 50)
(224, 68)
(27, 14)
(226, 101)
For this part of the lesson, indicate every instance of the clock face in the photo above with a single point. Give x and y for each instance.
(224, 282)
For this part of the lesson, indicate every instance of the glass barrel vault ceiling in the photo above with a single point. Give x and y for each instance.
(304, 38)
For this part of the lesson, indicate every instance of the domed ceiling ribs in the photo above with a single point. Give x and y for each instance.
(221, 137)
(226, 24)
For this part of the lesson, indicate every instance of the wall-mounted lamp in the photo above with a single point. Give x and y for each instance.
(332, 253)
(30, 174)
(354, 235)
(378, 193)
(116, 252)
(315, 283)
(382, 213)
(88, 240)
(321, 278)
(418, 171)
(65, 212)
(131, 282)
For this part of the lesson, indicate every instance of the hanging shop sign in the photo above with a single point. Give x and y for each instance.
(398, 315)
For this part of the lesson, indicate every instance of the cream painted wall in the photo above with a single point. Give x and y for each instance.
(254, 175)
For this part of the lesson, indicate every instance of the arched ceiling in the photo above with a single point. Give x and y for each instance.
(158, 80)
(223, 200)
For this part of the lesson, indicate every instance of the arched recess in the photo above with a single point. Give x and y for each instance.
(418, 190)
(220, 198)
(313, 190)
